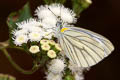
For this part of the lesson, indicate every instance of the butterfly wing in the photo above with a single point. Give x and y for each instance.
(83, 47)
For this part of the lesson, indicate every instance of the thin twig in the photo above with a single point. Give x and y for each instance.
(17, 67)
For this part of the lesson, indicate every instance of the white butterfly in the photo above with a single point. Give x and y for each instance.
(83, 47)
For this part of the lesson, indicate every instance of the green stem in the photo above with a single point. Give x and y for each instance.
(35, 67)
(4, 44)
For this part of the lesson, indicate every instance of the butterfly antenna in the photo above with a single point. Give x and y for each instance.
(52, 12)
(60, 14)
(58, 17)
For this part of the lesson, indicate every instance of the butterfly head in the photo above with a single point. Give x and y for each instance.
(59, 23)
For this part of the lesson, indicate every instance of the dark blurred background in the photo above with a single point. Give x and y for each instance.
(103, 17)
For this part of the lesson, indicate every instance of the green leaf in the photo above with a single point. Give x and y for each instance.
(80, 5)
(21, 15)
(60, 1)
(43, 60)
(48, 1)
(69, 77)
(54, 1)
(68, 71)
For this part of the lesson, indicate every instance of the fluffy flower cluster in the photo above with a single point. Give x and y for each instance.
(50, 47)
(56, 66)
(52, 76)
(55, 69)
(50, 14)
(74, 68)
(34, 49)
(30, 30)
(77, 71)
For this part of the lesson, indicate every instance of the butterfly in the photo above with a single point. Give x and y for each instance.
(83, 47)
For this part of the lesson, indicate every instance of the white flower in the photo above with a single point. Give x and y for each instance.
(66, 14)
(44, 41)
(49, 30)
(45, 47)
(48, 34)
(56, 66)
(78, 76)
(34, 49)
(50, 20)
(51, 54)
(89, 1)
(57, 46)
(19, 40)
(43, 12)
(77, 71)
(35, 29)
(20, 32)
(52, 42)
(74, 68)
(56, 10)
(35, 36)
(28, 24)
(51, 76)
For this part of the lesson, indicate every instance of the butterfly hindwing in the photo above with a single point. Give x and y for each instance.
(83, 47)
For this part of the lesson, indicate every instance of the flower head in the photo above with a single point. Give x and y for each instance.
(19, 40)
(51, 54)
(51, 21)
(48, 35)
(89, 1)
(35, 36)
(28, 30)
(52, 42)
(43, 12)
(34, 49)
(55, 10)
(43, 41)
(45, 47)
(66, 14)
(20, 32)
(35, 29)
(28, 24)
(51, 76)
(74, 68)
(57, 46)
(78, 76)
(56, 66)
